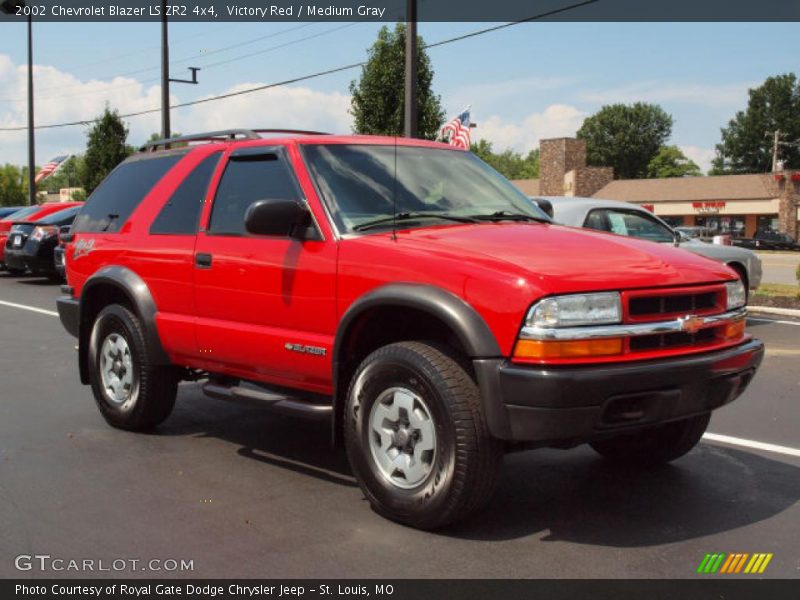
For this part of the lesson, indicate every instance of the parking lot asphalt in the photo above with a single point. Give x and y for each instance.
(244, 493)
(779, 267)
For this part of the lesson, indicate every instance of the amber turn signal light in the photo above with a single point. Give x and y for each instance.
(539, 349)
(734, 330)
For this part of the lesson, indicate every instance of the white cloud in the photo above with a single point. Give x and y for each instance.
(714, 96)
(701, 156)
(62, 97)
(557, 120)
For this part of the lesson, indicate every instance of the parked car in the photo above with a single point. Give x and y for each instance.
(703, 234)
(32, 248)
(59, 254)
(769, 240)
(7, 210)
(628, 219)
(21, 219)
(403, 290)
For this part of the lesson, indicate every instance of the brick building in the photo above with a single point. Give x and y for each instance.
(738, 204)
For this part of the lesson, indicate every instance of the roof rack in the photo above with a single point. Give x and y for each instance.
(223, 135)
(295, 131)
(209, 136)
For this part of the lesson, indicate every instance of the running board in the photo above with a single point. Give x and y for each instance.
(284, 404)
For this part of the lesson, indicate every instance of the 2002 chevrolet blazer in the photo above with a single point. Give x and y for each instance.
(406, 291)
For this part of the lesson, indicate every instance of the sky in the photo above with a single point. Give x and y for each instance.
(524, 83)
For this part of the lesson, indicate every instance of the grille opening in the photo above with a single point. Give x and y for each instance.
(661, 305)
(672, 340)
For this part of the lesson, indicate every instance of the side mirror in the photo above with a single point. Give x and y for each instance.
(286, 218)
(545, 205)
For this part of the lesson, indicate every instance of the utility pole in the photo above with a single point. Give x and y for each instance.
(411, 70)
(31, 140)
(165, 133)
(10, 7)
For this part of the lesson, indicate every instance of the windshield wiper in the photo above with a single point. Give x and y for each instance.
(411, 216)
(504, 215)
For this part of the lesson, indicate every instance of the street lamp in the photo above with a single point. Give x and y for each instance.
(11, 7)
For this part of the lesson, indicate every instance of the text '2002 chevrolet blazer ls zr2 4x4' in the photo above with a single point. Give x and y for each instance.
(404, 290)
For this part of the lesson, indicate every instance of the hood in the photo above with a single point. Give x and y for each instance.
(566, 259)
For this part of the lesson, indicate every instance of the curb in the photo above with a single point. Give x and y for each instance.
(770, 310)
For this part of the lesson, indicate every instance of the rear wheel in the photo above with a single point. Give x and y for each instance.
(655, 446)
(416, 437)
(130, 391)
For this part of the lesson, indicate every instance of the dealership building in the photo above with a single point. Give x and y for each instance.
(736, 204)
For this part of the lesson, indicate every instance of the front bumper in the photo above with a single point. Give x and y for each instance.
(69, 311)
(569, 405)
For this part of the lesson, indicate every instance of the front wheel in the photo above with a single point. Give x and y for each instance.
(130, 392)
(416, 437)
(657, 445)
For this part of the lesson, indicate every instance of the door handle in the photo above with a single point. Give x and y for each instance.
(202, 260)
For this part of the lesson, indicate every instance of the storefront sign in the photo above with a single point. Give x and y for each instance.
(708, 207)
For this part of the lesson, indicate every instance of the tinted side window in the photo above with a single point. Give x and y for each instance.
(117, 197)
(247, 179)
(182, 211)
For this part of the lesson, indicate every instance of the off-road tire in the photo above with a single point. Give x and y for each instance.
(154, 387)
(464, 468)
(657, 445)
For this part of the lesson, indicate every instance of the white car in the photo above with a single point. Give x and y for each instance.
(628, 219)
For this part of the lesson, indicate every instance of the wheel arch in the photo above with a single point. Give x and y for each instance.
(741, 270)
(407, 311)
(117, 285)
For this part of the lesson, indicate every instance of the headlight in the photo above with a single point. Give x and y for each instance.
(577, 309)
(737, 296)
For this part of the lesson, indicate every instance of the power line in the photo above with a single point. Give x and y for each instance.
(314, 75)
(176, 62)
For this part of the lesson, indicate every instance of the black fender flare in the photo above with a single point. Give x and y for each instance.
(470, 328)
(141, 300)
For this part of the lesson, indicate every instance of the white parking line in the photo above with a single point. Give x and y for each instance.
(734, 441)
(773, 321)
(712, 437)
(50, 313)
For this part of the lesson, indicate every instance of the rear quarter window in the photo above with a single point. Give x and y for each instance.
(181, 213)
(110, 205)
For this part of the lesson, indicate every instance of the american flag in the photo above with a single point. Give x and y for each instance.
(456, 132)
(51, 167)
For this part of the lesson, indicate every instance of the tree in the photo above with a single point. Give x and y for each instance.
(626, 137)
(747, 141)
(13, 186)
(671, 162)
(105, 149)
(512, 165)
(377, 99)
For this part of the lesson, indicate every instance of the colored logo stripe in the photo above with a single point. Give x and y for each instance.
(734, 563)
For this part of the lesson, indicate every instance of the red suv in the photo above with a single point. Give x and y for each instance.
(405, 291)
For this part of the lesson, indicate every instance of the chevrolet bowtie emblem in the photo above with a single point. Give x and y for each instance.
(691, 323)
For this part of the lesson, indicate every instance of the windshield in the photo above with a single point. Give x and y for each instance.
(62, 215)
(358, 184)
(628, 222)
